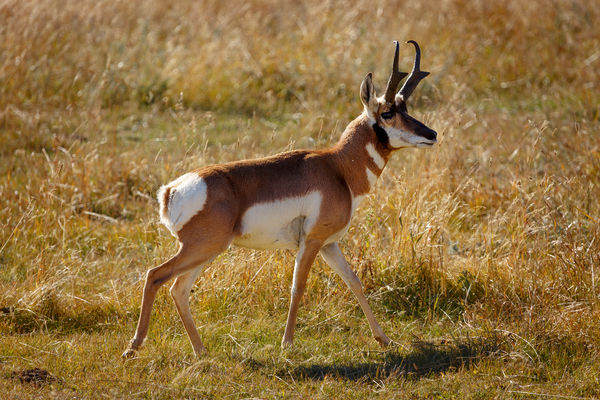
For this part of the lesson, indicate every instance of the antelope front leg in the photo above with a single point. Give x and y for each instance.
(335, 259)
(304, 260)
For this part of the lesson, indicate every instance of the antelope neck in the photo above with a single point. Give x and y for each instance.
(356, 159)
(382, 135)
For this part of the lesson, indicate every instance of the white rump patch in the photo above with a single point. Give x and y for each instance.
(377, 159)
(279, 224)
(186, 198)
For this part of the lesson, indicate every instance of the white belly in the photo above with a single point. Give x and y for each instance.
(279, 224)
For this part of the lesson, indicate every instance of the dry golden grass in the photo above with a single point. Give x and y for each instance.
(480, 256)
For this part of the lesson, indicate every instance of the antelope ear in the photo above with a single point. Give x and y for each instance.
(367, 93)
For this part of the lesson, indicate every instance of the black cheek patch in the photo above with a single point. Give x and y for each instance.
(382, 135)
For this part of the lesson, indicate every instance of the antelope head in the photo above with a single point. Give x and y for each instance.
(388, 113)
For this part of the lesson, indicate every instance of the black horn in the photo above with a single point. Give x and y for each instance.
(395, 78)
(415, 75)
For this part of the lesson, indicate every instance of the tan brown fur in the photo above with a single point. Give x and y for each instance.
(333, 172)
(223, 195)
(350, 152)
(338, 173)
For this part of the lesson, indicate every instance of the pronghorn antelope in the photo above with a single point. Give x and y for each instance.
(300, 200)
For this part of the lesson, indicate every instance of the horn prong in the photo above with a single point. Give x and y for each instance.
(416, 75)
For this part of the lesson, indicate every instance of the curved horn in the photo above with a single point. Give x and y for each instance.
(395, 78)
(415, 75)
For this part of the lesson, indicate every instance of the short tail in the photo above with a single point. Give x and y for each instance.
(164, 198)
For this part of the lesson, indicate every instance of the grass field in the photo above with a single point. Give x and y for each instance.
(480, 256)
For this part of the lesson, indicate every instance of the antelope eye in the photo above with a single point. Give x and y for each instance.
(387, 115)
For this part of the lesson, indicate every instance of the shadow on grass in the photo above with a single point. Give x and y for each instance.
(425, 358)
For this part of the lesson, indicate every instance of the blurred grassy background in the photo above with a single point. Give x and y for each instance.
(480, 256)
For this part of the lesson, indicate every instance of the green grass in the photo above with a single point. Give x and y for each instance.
(480, 256)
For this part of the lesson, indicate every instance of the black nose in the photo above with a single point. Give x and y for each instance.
(430, 134)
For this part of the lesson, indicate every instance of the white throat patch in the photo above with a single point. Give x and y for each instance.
(372, 178)
(374, 154)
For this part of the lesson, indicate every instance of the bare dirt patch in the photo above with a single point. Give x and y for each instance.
(35, 376)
